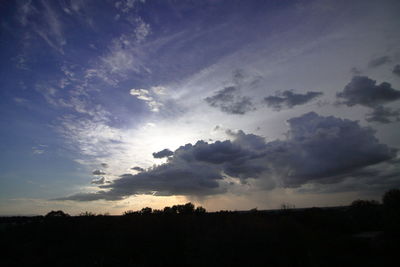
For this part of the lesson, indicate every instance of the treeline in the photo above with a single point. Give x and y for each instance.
(390, 206)
(187, 209)
(365, 233)
(184, 209)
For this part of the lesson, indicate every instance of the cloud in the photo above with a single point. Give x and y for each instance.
(383, 115)
(20, 100)
(43, 19)
(396, 70)
(376, 62)
(73, 6)
(124, 57)
(248, 141)
(91, 137)
(24, 11)
(91, 196)
(163, 153)
(149, 96)
(100, 180)
(139, 169)
(142, 30)
(388, 173)
(355, 71)
(39, 149)
(326, 147)
(126, 6)
(141, 94)
(104, 165)
(79, 101)
(21, 61)
(98, 172)
(229, 101)
(364, 91)
(316, 150)
(289, 99)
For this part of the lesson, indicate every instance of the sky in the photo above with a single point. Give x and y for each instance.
(109, 106)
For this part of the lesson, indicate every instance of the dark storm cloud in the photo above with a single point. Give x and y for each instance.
(374, 179)
(321, 147)
(163, 154)
(364, 91)
(396, 70)
(98, 172)
(173, 178)
(248, 141)
(376, 62)
(230, 101)
(289, 99)
(215, 153)
(228, 157)
(100, 180)
(317, 149)
(139, 169)
(383, 115)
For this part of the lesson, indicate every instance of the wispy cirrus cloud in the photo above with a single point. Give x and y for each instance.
(152, 97)
(48, 26)
(39, 149)
(126, 6)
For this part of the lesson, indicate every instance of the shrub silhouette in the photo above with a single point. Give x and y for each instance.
(130, 213)
(87, 214)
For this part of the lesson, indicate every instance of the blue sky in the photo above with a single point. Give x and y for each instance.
(252, 103)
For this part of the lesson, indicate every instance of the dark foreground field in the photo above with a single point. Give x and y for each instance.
(349, 236)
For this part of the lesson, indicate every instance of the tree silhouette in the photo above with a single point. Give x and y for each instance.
(169, 210)
(57, 214)
(146, 211)
(391, 204)
(391, 199)
(200, 210)
(188, 208)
